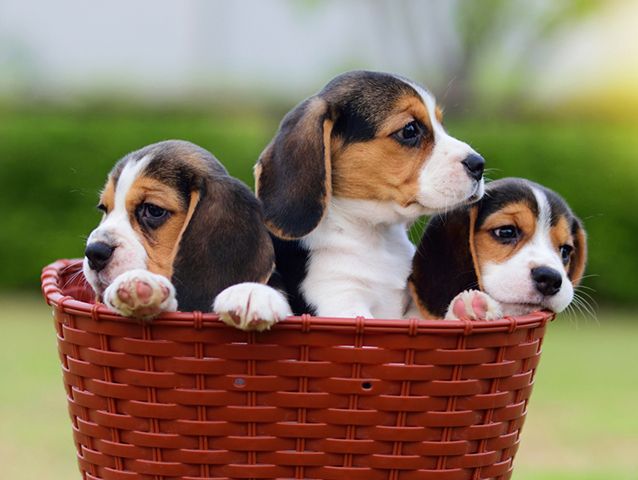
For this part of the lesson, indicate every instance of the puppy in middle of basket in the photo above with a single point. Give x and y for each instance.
(519, 249)
(349, 169)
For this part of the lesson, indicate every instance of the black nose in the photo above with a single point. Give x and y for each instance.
(98, 255)
(474, 164)
(547, 280)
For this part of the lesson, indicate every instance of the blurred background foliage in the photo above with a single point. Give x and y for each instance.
(544, 89)
(536, 87)
(55, 160)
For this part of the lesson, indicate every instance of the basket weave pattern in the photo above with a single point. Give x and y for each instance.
(186, 397)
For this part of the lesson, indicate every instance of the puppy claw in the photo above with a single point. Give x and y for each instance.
(140, 294)
(473, 305)
(251, 306)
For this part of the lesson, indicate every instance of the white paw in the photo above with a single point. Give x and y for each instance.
(140, 294)
(473, 305)
(251, 306)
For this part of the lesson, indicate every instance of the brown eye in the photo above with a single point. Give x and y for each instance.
(506, 234)
(410, 135)
(151, 215)
(566, 253)
(101, 207)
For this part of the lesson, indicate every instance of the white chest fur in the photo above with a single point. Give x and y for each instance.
(359, 260)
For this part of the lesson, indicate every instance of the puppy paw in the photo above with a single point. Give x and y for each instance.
(251, 306)
(473, 305)
(140, 294)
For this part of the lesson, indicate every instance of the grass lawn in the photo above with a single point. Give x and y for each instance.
(582, 422)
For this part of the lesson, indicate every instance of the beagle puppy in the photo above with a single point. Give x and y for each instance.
(521, 246)
(346, 174)
(178, 232)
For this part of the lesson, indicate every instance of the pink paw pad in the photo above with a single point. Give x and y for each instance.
(459, 308)
(479, 305)
(143, 290)
(124, 295)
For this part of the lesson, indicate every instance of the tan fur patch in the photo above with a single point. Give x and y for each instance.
(579, 257)
(161, 243)
(257, 169)
(560, 233)
(438, 113)
(107, 197)
(381, 168)
(472, 243)
(488, 249)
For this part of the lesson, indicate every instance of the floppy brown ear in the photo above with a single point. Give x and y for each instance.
(224, 243)
(292, 176)
(579, 258)
(445, 262)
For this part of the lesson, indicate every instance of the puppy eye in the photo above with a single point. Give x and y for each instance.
(410, 134)
(151, 216)
(565, 253)
(101, 207)
(506, 234)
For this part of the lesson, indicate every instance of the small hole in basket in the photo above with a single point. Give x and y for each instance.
(366, 385)
(239, 382)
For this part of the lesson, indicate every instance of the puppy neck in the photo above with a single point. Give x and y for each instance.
(363, 228)
(360, 254)
(377, 214)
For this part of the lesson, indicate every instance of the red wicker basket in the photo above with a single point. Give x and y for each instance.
(186, 397)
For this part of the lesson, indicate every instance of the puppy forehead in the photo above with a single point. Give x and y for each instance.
(367, 99)
(558, 208)
(107, 196)
(520, 214)
(369, 90)
(501, 194)
(561, 231)
(513, 193)
(177, 164)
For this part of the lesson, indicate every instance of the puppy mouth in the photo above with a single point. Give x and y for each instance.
(522, 305)
(477, 193)
(476, 196)
(530, 305)
(99, 284)
(522, 308)
(99, 281)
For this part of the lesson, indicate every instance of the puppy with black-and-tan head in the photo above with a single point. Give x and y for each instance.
(346, 174)
(178, 232)
(517, 250)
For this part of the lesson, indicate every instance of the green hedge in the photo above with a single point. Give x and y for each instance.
(53, 163)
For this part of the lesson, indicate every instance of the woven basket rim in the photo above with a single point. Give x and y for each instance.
(55, 297)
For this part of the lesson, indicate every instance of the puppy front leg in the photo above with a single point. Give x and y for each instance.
(473, 305)
(251, 306)
(140, 294)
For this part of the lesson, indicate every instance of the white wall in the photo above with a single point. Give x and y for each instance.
(175, 47)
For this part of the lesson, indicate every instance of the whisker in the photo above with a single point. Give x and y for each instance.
(586, 297)
(570, 314)
(591, 275)
(587, 308)
(585, 287)
(76, 278)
